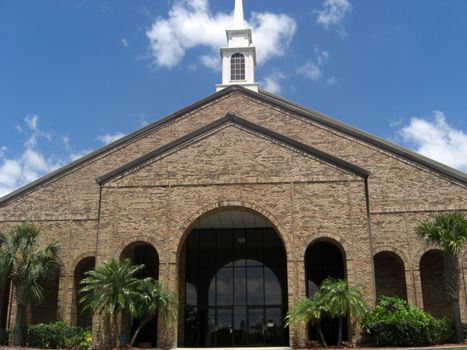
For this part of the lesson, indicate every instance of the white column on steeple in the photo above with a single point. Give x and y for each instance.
(239, 57)
(239, 20)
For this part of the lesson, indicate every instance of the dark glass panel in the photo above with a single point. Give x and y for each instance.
(225, 286)
(254, 248)
(231, 298)
(274, 254)
(255, 292)
(256, 327)
(240, 247)
(207, 248)
(191, 324)
(273, 329)
(191, 248)
(212, 292)
(240, 286)
(272, 288)
(224, 327)
(211, 328)
(225, 252)
(240, 326)
(191, 295)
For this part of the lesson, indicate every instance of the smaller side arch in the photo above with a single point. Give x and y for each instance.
(325, 258)
(80, 317)
(137, 239)
(389, 275)
(339, 242)
(70, 269)
(435, 297)
(399, 252)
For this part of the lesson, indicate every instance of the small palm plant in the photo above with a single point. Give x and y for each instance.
(339, 301)
(449, 232)
(335, 299)
(308, 311)
(111, 288)
(152, 298)
(26, 265)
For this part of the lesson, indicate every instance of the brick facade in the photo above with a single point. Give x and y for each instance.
(306, 196)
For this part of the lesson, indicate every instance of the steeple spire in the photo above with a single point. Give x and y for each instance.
(239, 21)
(239, 57)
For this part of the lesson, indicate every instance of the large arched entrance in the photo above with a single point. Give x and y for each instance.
(234, 282)
(324, 259)
(144, 253)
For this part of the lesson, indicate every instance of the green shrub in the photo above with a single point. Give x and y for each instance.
(3, 337)
(57, 335)
(394, 322)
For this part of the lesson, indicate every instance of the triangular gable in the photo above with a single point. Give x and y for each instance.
(268, 98)
(230, 118)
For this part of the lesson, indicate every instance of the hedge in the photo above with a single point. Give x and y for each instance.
(58, 335)
(394, 322)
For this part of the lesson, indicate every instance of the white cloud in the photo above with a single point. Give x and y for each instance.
(190, 23)
(438, 140)
(109, 138)
(272, 82)
(31, 163)
(333, 13)
(125, 43)
(313, 69)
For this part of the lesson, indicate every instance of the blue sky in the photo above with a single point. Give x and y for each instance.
(77, 74)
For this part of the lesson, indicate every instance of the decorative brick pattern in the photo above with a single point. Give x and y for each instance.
(305, 198)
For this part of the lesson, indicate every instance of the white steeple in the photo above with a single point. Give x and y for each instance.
(239, 21)
(239, 57)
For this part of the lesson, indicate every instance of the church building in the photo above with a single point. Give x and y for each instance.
(242, 203)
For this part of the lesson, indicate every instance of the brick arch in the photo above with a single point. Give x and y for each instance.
(390, 269)
(331, 238)
(146, 239)
(70, 269)
(325, 257)
(419, 253)
(435, 297)
(189, 223)
(396, 251)
(80, 317)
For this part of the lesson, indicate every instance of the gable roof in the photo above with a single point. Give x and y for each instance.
(270, 99)
(233, 119)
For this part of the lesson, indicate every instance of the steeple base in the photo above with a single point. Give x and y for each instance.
(253, 87)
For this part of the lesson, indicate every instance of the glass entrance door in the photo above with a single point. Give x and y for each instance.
(236, 292)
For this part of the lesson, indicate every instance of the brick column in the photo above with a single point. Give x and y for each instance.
(296, 281)
(66, 303)
(409, 284)
(417, 282)
(167, 333)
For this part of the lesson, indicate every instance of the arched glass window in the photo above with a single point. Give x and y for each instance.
(237, 67)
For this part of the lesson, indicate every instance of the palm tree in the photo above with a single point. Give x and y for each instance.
(111, 288)
(308, 311)
(448, 231)
(27, 266)
(339, 300)
(152, 297)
